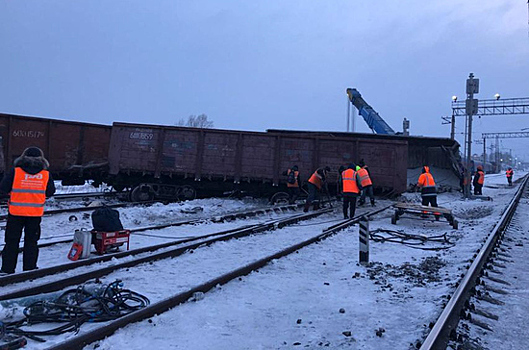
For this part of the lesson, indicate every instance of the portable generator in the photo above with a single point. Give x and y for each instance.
(110, 241)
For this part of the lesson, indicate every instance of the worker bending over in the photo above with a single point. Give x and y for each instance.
(315, 184)
(293, 182)
(479, 180)
(367, 184)
(351, 186)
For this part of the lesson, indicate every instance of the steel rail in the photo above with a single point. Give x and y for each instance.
(221, 218)
(38, 273)
(81, 209)
(83, 277)
(84, 339)
(447, 322)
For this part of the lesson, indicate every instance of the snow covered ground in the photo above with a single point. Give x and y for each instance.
(510, 331)
(86, 188)
(320, 297)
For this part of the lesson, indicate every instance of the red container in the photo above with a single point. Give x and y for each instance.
(104, 241)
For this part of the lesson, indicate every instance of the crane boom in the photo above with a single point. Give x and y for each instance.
(373, 120)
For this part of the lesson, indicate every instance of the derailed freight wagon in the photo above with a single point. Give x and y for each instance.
(181, 163)
(76, 151)
(437, 152)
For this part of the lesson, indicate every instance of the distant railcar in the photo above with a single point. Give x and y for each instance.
(179, 162)
(76, 151)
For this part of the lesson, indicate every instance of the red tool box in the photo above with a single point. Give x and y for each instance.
(105, 241)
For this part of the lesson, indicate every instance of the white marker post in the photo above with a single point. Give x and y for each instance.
(363, 237)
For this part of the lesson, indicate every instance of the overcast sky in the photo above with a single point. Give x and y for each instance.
(256, 65)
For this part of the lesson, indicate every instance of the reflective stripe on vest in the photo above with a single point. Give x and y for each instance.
(315, 179)
(296, 174)
(427, 184)
(28, 193)
(349, 181)
(509, 173)
(481, 179)
(364, 178)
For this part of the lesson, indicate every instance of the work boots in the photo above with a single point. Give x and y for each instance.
(306, 207)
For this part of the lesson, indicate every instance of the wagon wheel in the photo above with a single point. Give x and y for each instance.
(186, 193)
(394, 218)
(280, 198)
(141, 194)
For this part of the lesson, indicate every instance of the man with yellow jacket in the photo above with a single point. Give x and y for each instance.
(367, 184)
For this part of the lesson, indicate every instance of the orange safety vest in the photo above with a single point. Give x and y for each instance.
(349, 181)
(509, 173)
(481, 179)
(364, 177)
(427, 185)
(315, 179)
(296, 174)
(28, 193)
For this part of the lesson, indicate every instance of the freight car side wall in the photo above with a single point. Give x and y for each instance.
(72, 148)
(234, 156)
(387, 160)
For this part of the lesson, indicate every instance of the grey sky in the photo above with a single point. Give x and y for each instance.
(254, 65)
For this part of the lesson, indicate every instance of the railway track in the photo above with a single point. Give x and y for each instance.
(495, 317)
(169, 302)
(39, 273)
(204, 286)
(445, 328)
(87, 208)
(218, 218)
(73, 196)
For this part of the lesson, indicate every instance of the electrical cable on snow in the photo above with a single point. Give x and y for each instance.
(410, 240)
(91, 302)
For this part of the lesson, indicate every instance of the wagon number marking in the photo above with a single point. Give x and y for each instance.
(141, 135)
(28, 133)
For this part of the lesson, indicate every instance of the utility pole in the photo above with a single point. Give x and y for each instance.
(484, 152)
(471, 109)
(453, 127)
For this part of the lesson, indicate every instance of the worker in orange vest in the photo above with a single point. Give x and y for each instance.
(29, 184)
(428, 190)
(509, 173)
(351, 187)
(315, 184)
(479, 180)
(293, 182)
(367, 184)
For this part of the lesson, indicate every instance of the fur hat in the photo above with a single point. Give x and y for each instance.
(33, 152)
(32, 156)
